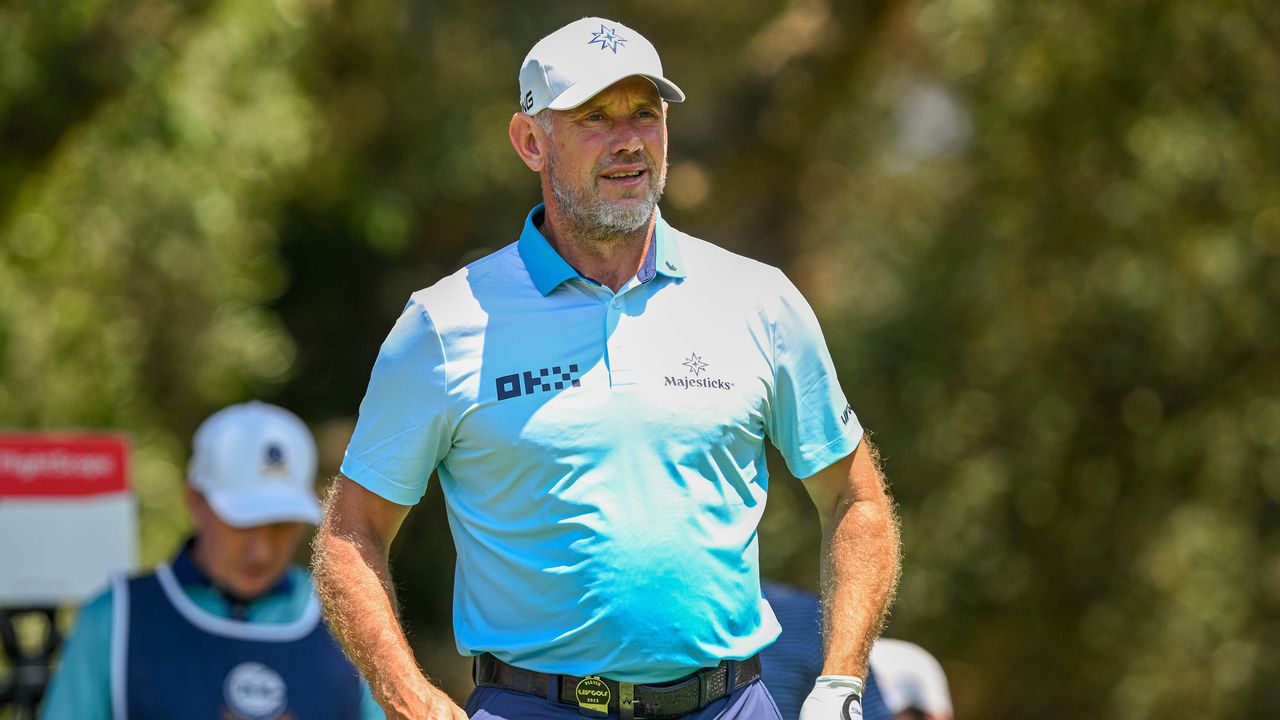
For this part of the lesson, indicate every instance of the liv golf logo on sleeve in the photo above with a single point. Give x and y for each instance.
(693, 379)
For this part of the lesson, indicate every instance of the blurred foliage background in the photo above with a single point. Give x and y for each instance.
(1043, 238)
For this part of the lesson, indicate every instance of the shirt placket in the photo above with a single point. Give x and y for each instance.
(619, 329)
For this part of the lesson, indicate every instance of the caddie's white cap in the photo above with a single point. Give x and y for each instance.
(256, 464)
(910, 678)
(569, 66)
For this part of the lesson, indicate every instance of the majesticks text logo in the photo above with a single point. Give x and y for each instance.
(696, 366)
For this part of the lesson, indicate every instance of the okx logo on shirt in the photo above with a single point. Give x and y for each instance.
(547, 379)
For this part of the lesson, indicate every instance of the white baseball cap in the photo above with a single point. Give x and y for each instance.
(256, 464)
(569, 66)
(910, 678)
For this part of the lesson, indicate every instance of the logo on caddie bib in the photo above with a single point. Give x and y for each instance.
(254, 691)
(593, 694)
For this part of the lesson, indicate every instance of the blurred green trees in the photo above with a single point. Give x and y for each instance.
(1043, 239)
(139, 238)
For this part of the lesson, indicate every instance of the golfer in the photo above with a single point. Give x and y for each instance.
(596, 399)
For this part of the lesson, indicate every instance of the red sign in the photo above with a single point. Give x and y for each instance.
(62, 465)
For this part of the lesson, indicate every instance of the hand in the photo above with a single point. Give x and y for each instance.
(430, 703)
(834, 697)
(442, 707)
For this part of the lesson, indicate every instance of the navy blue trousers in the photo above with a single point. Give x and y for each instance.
(750, 703)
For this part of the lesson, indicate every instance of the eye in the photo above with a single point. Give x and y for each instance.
(595, 117)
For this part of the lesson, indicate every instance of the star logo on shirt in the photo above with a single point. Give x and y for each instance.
(694, 380)
(695, 364)
(608, 39)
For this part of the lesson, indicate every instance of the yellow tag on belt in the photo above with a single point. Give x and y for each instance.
(592, 694)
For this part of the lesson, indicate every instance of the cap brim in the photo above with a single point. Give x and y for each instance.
(265, 505)
(584, 90)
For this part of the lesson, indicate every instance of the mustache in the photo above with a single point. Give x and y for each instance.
(630, 158)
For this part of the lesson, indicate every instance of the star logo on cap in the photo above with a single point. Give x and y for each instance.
(695, 364)
(607, 38)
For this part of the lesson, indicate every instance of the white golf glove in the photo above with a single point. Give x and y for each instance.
(834, 697)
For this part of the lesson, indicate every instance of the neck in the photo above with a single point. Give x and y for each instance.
(610, 258)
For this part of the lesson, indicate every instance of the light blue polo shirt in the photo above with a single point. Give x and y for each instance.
(602, 455)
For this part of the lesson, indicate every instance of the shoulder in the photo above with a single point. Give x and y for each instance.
(745, 282)
(454, 303)
(465, 291)
(81, 686)
(95, 615)
(98, 609)
(714, 260)
(91, 636)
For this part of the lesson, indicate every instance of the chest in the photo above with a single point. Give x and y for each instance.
(670, 366)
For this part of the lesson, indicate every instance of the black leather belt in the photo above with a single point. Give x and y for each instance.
(596, 695)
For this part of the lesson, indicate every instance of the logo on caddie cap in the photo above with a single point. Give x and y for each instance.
(273, 463)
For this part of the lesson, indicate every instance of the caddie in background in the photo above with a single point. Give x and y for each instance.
(912, 681)
(793, 662)
(229, 628)
(904, 682)
(596, 397)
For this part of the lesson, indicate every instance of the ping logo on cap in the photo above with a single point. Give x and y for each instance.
(608, 39)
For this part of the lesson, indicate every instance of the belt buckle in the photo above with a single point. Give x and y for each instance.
(593, 696)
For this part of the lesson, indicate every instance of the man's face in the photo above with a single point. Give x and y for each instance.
(245, 561)
(607, 161)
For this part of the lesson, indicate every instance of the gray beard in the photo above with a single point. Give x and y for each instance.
(598, 219)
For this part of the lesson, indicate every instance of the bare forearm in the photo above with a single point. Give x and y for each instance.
(354, 584)
(860, 568)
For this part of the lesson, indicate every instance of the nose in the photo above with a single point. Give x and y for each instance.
(257, 544)
(626, 137)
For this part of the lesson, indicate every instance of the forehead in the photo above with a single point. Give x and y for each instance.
(631, 90)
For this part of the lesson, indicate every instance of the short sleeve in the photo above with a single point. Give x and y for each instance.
(81, 687)
(404, 430)
(809, 420)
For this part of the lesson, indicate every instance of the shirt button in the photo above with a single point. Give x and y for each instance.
(617, 304)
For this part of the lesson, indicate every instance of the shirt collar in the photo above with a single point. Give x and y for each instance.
(665, 250)
(547, 269)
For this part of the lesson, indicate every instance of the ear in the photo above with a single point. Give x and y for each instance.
(529, 141)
